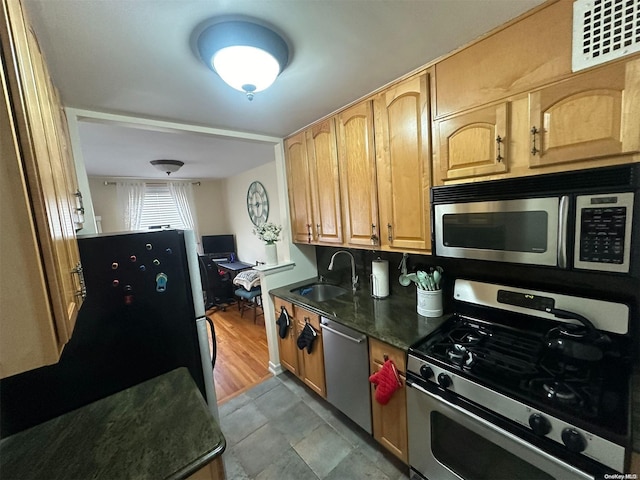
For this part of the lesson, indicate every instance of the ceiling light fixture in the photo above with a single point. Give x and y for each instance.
(247, 56)
(167, 166)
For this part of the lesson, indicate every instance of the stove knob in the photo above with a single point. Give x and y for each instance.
(539, 424)
(574, 440)
(444, 380)
(426, 372)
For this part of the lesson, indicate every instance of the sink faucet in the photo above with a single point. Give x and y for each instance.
(354, 277)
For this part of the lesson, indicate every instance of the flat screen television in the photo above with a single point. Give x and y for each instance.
(222, 245)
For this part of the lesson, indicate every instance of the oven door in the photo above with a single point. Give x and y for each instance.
(530, 231)
(447, 442)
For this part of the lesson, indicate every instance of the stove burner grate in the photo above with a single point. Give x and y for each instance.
(482, 349)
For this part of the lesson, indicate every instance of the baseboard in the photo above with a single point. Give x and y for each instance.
(276, 369)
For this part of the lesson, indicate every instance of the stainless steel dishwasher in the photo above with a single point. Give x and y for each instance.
(346, 364)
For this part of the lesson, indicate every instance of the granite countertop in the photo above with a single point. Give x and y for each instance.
(393, 320)
(159, 429)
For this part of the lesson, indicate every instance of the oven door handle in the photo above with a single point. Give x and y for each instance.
(488, 425)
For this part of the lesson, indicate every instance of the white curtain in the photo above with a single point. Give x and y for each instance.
(182, 193)
(130, 200)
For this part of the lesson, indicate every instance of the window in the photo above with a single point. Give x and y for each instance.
(159, 208)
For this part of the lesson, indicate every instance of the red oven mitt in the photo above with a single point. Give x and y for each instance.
(387, 381)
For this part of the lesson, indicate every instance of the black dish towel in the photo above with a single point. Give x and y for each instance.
(283, 322)
(307, 337)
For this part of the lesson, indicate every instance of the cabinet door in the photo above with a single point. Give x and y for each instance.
(591, 115)
(28, 333)
(28, 93)
(473, 144)
(65, 183)
(298, 186)
(312, 371)
(287, 346)
(403, 164)
(358, 175)
(532, 51)
(390, 420)
(325, 182)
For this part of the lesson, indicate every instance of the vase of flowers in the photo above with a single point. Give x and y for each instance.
(269, 233)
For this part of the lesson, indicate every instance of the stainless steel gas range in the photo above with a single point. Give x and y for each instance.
(521, 384)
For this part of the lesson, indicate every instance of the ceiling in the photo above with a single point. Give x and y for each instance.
(135, 58)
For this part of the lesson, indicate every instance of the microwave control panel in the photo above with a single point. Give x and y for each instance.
(603, 232)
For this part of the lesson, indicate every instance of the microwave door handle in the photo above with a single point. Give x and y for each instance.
(563, 218)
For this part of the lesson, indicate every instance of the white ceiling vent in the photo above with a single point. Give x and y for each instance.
(604, 30)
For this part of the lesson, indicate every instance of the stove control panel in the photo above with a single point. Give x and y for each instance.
(541, 423)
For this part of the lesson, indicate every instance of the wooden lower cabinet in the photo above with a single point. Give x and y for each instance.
(287, 345)
(308, 367)
(312, 364)
(390, 420)
(211, 471)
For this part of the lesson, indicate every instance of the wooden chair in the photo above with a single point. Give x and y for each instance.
(250, 300)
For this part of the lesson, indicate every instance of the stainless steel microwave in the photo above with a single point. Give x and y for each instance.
(580, 220)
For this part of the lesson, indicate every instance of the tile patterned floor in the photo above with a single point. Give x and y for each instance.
(280, 430)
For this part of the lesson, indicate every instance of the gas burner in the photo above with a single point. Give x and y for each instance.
(564, 393)
(457, 353)
(472, 338)
(460, 355)
(560, 391)
(467, 336)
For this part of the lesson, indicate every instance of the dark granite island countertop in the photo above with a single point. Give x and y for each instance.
(159, 429)
(393, 320)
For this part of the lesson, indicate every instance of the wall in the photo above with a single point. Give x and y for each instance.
(297, 262)
(209, 198)
(250, 248)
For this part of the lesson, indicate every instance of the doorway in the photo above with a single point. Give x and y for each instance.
(242, 359)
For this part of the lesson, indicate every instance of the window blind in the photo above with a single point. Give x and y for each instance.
(159, 208)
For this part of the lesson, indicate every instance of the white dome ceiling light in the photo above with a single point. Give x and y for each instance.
(247, 56)
(167, 166)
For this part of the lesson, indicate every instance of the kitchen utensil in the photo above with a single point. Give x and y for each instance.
(436, 278)
(422, 280)
(412, 277)
(403, 279)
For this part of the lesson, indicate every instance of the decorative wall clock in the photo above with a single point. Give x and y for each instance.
(257, 203)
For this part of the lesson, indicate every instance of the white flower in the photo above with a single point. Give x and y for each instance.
(268, 232)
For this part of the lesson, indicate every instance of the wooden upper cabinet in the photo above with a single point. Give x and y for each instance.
(530, 52)
(404, 164)
(472, 144)
(44, 184)
(325, 182)
(298, 185)
(358, 175)
(592, 115)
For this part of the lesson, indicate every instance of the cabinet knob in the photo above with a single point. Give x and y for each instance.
(389, 232)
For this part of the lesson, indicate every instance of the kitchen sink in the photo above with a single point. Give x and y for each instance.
(320, 292)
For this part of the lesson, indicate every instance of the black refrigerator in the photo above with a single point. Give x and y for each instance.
(143, 316)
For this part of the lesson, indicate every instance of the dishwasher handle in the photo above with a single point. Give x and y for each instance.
(344, 335)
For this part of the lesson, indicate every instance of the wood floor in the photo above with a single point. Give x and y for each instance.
(243, 356)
